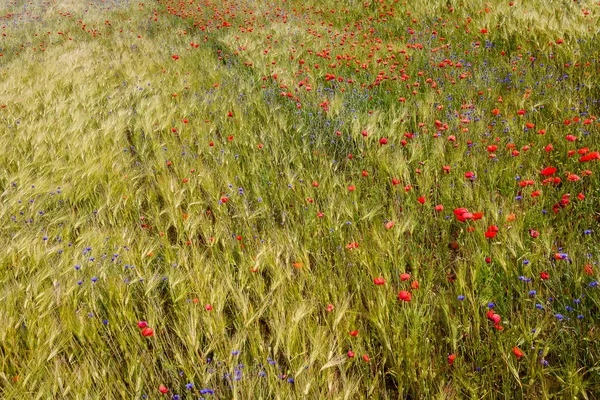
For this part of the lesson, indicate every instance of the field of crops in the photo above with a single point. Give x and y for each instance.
(290, 199)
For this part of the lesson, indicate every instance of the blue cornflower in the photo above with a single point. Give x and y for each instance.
(461, 297)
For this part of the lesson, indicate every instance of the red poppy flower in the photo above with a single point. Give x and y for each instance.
(548, 171)
(588, 269)
(517, 352)
(404, 295)
(163, 389)
(451, 358)
(148, 332)
(534, 234)
(379, 281)
(477, 216)
(594, 155)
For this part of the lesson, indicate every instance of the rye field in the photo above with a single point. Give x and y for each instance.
(299, 199)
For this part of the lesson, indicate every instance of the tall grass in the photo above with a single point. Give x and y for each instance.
(161, 162)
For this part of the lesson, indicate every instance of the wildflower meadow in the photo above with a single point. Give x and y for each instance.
(299, 199)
